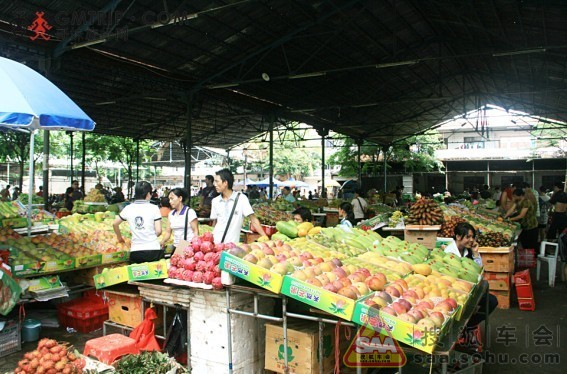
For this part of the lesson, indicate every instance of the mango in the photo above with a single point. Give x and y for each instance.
(422, 269)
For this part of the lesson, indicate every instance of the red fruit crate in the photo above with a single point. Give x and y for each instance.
(84, 315)
(526, 258)
(524, 290)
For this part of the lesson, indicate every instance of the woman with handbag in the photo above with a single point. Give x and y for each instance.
(182, 219)
(360, 206)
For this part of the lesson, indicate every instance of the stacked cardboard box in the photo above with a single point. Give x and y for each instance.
(498, 269)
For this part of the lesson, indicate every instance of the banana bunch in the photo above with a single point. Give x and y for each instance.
(395, 218)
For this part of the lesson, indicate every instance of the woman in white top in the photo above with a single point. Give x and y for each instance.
(144, 219)
(181, 219)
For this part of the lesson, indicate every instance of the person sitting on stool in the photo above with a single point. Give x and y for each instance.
(465, 245)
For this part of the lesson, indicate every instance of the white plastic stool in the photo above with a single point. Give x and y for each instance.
(550, 259)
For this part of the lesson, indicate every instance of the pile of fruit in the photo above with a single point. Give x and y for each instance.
(269, 214)
(448, 227)
(94, 196)
(8, 210)
(51, 357)
(493, 239)
(425, 212)
(454, 266)
(396, 218)
(290, 230)
(200, 262)
(24, 198)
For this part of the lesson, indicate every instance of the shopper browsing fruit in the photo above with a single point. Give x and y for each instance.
(359, 205)
(207, 195)
(465, 245)
(182, 219)
(524, 211)
(144, 219)
(346, 214)
(229, 209)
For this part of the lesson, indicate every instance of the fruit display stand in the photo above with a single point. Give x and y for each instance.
(499, 268)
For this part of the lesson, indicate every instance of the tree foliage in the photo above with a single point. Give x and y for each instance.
(416, 153)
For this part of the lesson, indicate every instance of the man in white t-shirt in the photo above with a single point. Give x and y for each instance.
(222, 207)
(359, 206)
(144, 219)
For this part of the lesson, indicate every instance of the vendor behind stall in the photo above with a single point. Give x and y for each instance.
(465, 245)
(302, 214)
(144, 219)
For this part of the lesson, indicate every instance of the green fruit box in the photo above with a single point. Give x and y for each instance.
(15, 223)
(405, 332)
(110, 277)
(319, 298)
(38, 267)
(147, 271)
(112, 257)
(44, 283)
(251, 272)
(88, 261)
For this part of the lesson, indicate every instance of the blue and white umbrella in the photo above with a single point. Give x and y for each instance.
(29, 101)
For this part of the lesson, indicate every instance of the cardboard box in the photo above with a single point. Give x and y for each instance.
(119, 256)
(422, 234)
(302, 348)
(402, 331)
(125, 308)
(111, 277)
(15, 223)
(251, 272)
(503, 299)
(498, 281)
(317, 297)
(500, 259)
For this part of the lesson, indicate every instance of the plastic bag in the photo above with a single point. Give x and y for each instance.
(176, 338)
(10, 293)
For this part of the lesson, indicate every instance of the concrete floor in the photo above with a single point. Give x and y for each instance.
(514, 336)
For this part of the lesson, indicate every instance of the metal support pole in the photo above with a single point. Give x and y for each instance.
(188, 337)
(84, 162)
(71, 145)
(45, 168)
(488, 173)
(30, 183)
(137, 160)
(384, 153)
(229, 331)
(359, 154)
(284, 326)
(533, 175)
(446, 176)
(188, 144)
(323, 191)
(271, 188)
(321, 328)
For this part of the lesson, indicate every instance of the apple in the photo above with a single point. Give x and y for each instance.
(279, 268)
(299, 274)
(356, 291)
(384, 295)
(452, 301)
(332, 276)
(347, 292)
(416, 314)
(399, 308)
(362, 288)
(364, 271)
(336, 261)
(389, 310)
(323, 279)
(315, 282)
(407, 317)
(380, 301)
(250, 258)
(427, 304)
(381, 276)
(338, 284)
(405, 303)
(375, 283)
(345, 281)
(393, 291)
(437, 317)
(340, 272)
(427, 324)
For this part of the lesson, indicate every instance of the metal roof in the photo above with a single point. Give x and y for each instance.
(370, 69)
